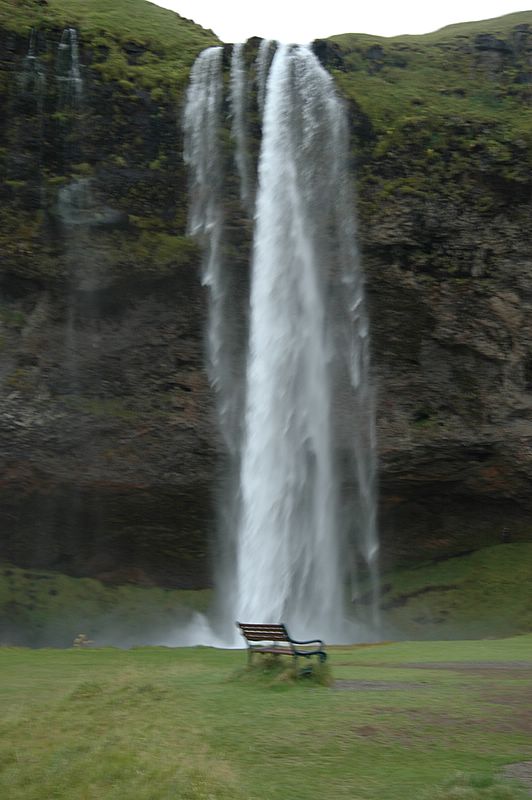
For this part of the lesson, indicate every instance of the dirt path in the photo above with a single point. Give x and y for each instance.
(521, 772)
(375, 685)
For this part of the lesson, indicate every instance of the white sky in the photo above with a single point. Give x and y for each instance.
(289, 21)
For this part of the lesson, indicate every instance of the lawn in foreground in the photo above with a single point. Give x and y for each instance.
(160, 723)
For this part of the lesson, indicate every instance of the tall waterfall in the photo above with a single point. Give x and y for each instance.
(304, 502)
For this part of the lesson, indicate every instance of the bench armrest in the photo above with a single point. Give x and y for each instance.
(309, 641)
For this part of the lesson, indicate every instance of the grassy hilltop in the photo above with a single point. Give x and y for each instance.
(448, 106)
(172, 41)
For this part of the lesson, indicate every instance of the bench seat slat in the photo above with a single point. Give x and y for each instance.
(261, 633)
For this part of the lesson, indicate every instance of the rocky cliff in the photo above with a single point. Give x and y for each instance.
(442, 137)
(108, 443)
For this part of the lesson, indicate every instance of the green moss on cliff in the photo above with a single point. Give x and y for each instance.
(133, 42)
(442, 126)
(135, 59)
(473, 70)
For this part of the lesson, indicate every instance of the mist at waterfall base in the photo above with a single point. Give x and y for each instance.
(297, 530)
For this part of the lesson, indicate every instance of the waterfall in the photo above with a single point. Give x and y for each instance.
(238, 128)
(203, 154)
(74, 199)
(68, 71)
(262, 66)
(304, 446)
(32, 79)
(24, 158)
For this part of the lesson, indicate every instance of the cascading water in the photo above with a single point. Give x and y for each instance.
(262, 66)
(305, 497)
(73, 198)
(78, 210)
(206, 222)
(238, 128)
(32, 78)
(24, 161)
(68, 71)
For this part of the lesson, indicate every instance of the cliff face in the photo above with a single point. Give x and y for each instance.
(108, 441)
(444, 163)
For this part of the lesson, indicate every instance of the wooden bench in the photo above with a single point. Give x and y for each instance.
(275, 640)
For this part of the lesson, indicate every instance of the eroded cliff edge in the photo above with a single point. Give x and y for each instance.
(108, 441)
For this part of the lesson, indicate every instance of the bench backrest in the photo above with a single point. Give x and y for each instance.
(264, 633)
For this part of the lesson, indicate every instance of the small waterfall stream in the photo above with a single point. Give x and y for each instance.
(32, 77)
(26, 108)
(68, 73)
(304, 499)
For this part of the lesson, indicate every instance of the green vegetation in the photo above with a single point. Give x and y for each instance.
(484, 593)
(434, 75)
(155, 724)
(443, 118)
(39, 607)
(135, 59)
(160, 253)
(271, 671)
(475, 787)
(107, 407)
(173, 41)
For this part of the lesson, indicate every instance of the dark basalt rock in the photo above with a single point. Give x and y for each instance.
(329, 54)
(486, 41)
(134, 51)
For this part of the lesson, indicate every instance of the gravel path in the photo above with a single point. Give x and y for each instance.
(521, 772)
(351, 686)
(468, 665)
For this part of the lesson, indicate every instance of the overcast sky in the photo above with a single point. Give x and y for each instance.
(289, 21)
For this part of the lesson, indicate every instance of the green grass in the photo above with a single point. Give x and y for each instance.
(476, 787)
(128, 20)
(156, 723)
(484, 593)
(46, 608)
(430, 66)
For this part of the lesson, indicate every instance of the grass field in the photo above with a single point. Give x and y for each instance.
(154, 723)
